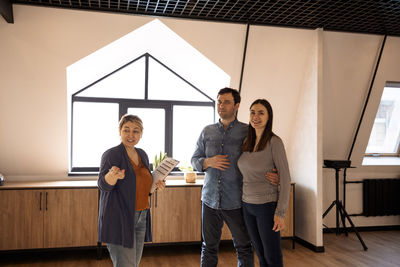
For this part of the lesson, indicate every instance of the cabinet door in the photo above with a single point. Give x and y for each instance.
(226, 233)
(176, 215)
(21, 219)
(70, 217)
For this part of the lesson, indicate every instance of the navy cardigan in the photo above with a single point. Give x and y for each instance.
(117, 203)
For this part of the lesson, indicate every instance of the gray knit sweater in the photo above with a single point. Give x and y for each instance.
(256, 188)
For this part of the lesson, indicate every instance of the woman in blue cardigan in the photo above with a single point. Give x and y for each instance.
(124, 183)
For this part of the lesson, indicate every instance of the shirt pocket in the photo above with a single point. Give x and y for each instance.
(213, 147)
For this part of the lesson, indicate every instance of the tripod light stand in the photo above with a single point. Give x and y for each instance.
(340, 209)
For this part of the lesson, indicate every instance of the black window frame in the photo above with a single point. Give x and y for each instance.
(378, 154)
(125, 103)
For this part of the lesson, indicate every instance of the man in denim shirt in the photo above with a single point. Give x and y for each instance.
(217, 151)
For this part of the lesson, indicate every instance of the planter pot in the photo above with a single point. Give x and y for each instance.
(190, 177)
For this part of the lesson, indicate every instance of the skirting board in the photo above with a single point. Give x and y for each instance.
(364, 228)
(309, 245)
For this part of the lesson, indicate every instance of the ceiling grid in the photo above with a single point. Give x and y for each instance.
(363, 16)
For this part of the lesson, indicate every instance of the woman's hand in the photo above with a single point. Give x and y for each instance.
(279, 223)
(160, 185)
(114, 174)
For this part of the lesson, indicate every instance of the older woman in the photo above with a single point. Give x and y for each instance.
(264, 204)
(124, 183)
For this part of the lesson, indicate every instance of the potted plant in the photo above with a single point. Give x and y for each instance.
(189, 174)
(158, 159)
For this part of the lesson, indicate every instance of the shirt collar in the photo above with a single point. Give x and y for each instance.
(231, 124)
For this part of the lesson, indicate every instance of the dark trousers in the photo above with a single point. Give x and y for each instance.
(259, 220)
(212, 222)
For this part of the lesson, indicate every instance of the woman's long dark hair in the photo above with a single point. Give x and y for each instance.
(267, 134)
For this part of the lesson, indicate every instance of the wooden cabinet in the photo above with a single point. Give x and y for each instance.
(176, 214)
(289, 223)
(43, 216)
(70, 218)
(35, 218)
(21, 219)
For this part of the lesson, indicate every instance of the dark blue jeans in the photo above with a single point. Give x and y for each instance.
(259, 220)
(212, 222)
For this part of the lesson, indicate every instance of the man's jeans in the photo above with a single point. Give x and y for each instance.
(124, 257)
(212, 222)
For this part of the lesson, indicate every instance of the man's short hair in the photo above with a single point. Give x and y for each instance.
(234, 92)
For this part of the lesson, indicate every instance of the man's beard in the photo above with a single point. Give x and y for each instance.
(226, 115)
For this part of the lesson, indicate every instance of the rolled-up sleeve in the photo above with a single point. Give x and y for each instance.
(199, 154)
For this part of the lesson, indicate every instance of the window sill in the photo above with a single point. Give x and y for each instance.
(381, 161)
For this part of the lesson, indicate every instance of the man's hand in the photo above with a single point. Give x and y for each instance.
(273, 177)
(219, 162)
(279, 223)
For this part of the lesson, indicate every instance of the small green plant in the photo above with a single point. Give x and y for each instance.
(186, 168)
(158, 158)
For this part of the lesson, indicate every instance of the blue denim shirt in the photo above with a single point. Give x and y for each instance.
(221, 189)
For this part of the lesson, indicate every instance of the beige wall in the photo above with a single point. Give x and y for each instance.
(349, 62)
(316, 82)
(35, 52)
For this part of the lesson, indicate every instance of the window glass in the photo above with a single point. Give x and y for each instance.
(385, 133)
(127, 82)
(165, 85)
(188, 123)
(153, 138)
(179, 73)
(95, 129)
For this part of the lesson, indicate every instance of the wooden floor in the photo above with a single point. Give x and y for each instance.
(383, 251)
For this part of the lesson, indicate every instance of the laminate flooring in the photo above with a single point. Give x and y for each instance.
(383, 251)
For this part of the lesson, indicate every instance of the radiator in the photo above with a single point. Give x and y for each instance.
(381, 197)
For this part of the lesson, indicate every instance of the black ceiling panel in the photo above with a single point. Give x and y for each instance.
(363, 16)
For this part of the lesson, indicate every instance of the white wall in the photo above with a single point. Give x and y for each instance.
(287, 76)
(305, 151)
(349, 63)
(35, 52)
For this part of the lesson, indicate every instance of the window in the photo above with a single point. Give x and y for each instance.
(385, 134)
(167, 104)
(151, 72)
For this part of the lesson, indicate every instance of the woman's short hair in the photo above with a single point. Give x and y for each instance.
(132, 118)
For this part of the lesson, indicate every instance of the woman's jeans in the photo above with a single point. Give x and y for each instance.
(212, 222)
(130, 257)
(259, 220)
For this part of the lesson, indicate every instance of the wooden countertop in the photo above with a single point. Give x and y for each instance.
(172, 181)
(81, 184)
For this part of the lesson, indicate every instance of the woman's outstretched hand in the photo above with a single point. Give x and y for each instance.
(114, 174)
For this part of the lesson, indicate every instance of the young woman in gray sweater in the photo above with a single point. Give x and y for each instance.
(264, 204)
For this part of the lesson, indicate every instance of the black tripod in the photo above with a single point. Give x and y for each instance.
(340, 210)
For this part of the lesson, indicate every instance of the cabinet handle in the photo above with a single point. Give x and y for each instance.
(40, 201)
(46, 199)
(155, 204)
